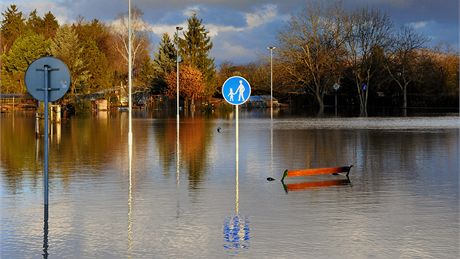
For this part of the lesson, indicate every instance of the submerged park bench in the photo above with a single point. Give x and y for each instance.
(316, 184)
(317, 171)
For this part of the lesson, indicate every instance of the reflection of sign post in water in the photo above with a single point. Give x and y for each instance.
(236, 90)
(47, 79)
(236, 233)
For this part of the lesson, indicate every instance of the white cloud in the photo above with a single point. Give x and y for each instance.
(215, 29)
(228, 50)
(189, 11)
(267, 14)
(160, 29)
(61, 13)
(418, 25)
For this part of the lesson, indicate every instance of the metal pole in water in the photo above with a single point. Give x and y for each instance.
(130, 135)
(59, 83)
(130, 126)
(271, 84)
(271, 147)
(236, 166)
(178, 28)
(45, 136)
(271, 48)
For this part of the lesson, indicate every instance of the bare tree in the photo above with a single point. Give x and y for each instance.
(402, 58)
(139, 37)
(312, 50)
(366, 30)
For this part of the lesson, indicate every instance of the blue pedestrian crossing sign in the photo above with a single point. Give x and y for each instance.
(236, 90)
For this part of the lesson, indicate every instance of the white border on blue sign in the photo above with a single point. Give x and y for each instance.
(240, 77)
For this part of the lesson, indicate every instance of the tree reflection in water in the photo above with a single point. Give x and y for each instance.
(195, 137)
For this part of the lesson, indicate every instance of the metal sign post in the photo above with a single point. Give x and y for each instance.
(236, 90)
(47, 79)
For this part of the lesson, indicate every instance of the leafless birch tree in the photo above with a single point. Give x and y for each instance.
(366, 30)
(312, 50)
(403, 57)
(139, 37)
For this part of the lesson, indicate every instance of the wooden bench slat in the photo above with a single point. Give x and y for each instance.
(316, 171)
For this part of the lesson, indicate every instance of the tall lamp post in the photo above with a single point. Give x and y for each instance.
(336, 88)
(178, 28)
(271, 48)
(130, 125)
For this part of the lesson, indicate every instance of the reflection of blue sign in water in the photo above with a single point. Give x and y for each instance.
(236, 90)
(236, 233)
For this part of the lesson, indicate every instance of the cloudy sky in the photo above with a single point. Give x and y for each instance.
(241, 30)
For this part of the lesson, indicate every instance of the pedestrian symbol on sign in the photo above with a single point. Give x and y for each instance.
(243, 90)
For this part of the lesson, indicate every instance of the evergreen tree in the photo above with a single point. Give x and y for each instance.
(67, 47)
(145, 75)
(24, 51)
(96, 31)
(95, 41)
(96, 64)
(12, 26)
(50, 25)
(35, 22)
(164, 63)
(195, 48)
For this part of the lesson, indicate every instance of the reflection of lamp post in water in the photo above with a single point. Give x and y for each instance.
(130, 219)
(336, 88)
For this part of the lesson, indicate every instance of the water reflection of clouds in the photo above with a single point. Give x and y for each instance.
(403, 185)
(416, 123)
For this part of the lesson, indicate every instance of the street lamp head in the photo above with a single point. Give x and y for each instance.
(179, 28)
(271, 47)
(336, 87)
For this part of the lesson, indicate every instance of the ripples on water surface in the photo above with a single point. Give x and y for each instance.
(402, 200)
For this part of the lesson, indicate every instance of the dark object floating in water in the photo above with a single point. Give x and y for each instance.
(270, 179)
(219, 129)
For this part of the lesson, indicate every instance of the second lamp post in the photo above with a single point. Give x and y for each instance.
(271, 48)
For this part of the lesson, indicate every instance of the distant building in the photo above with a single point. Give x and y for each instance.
(17, 101)
(261, 101)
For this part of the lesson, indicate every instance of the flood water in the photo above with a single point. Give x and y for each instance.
(402, 201)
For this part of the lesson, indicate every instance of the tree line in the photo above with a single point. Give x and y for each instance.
(360, 50)
(97, 55)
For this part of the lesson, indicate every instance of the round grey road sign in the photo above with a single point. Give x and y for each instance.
(58, 78)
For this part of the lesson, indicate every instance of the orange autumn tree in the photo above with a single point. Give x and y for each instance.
(191, 85)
